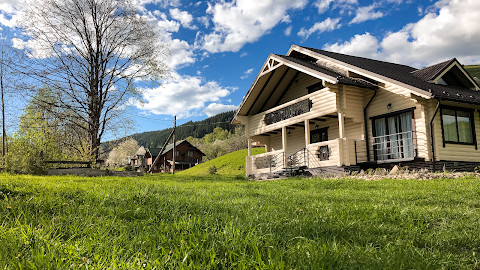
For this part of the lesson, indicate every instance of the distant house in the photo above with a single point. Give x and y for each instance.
(186, 156)
(326, 111)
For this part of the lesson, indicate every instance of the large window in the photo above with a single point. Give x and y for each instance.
(319, 135)
(457, 125)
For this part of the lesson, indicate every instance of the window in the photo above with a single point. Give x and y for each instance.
(319, 135)
(457, 125)
(190, 153)
(177, 153)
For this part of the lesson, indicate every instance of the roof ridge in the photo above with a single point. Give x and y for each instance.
(360, 57)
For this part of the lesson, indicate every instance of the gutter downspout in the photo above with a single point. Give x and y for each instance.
(432, 135)
(366, 124)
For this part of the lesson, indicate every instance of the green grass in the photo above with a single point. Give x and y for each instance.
(229, 164)
(218, 222)
(473, 70)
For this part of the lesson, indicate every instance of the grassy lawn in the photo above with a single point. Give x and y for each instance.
(216, 222)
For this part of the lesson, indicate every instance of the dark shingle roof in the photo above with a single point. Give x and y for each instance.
(156, 151)
(431, 72)
(404, 74)
(329, 72)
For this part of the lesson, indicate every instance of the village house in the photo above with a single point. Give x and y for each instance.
(186, 156)
(323, 111)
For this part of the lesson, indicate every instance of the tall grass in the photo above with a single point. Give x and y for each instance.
(216, 222)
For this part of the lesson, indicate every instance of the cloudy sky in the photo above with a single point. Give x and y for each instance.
(218, 47)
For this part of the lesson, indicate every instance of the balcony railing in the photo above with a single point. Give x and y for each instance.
(285, 113)
(401, 146)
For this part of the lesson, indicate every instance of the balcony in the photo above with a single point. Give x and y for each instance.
(310, 106)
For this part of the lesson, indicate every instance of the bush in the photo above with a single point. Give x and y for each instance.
(212, 169)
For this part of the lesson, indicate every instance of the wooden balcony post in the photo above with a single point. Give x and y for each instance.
(284, 145)
(307, 133)
(249, 147)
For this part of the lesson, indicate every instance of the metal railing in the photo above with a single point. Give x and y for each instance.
(389, 148)
(298, 159)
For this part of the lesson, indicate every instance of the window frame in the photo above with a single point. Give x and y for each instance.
(471, 119)
(190, 153)
(320, 131)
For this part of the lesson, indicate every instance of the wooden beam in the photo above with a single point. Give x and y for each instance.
(318, 119)
(261, 91)
(263, 135)
(298, 125)
(275, 88)
(271, 132)
(331, 116)
(290, 128)
(288, 86)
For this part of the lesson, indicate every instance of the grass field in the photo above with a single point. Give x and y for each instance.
(217, 222)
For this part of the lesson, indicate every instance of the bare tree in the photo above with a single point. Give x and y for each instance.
(91, 53)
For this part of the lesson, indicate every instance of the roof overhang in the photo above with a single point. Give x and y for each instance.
(360, 71)
(274, 69)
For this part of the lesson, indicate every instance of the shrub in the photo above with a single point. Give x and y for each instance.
(212, 169)
(477, 169)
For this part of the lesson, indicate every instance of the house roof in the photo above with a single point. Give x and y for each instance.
(405, 75)
(156, 151)
(431, 72)
(330, 72)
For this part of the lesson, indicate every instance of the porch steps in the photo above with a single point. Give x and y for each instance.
(290, 171)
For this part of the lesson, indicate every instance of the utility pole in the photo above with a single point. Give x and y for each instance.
(174, 154)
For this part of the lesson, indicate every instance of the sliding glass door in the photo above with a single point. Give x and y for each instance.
(393, 136)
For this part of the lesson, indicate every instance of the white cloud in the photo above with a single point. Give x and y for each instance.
(243, 54)
(215, 108)
(184, 96)
(198, 3)
(181, 54)
(184, 17)
(320, 27)
(434, 38)
(367, 13)
(246, 73)
(364, 45)
(288, 31)
(324, 5)
(164, 24)
(243, 21)
(204, 20)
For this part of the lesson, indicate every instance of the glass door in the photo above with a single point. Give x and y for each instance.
(393, 137)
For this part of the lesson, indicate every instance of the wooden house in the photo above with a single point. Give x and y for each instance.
(186, 156)
(326, 111)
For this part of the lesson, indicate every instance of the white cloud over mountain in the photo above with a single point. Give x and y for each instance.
(184, 96)
(215, 108)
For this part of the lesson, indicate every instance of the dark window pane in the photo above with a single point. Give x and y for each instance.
(449, 125)
(464, 127)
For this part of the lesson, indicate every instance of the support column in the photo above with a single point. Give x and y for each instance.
(249, 147)
(341, 136)
(284, 145)
(307, 141)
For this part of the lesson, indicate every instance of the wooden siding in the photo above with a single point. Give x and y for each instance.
(324, 102)
(454, 152)
(334, 159)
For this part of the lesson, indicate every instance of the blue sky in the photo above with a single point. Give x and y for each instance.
(218, 47)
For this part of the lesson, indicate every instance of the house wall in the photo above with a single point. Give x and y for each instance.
(400, 99)
(454, 152)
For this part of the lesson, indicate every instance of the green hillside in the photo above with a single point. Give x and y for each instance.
(229, 164)
(473, 70)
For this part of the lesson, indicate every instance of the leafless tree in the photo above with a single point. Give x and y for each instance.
(91, 54)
